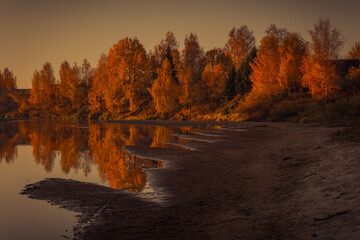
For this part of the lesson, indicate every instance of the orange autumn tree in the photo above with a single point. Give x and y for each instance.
(47, 84)
(7, 81)
(265, 86)
(68, 83)
(318, 70)
(266, 65)
(86, 76)
(128, 74)
(241, 42)
(276, 71)
(166, 64)
(291, 52)
(191, 70)
(277, 68)
(167, 48)
(9, 101)
(74, 82)
(96, 90)
(35, 92)
(42, 93)
(214, 77)
(165, 90)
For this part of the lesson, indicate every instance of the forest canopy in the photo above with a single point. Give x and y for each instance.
(283, 77)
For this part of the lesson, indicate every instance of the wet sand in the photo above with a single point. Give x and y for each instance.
(253, 181)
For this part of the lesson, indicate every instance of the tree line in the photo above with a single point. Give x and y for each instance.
(236, 82)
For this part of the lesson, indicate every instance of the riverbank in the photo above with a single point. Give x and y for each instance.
(254, 181)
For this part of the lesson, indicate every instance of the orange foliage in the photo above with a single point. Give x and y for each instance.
(266, 65)
(319, 76)
(319, 73)
(68, 82)
(79, 148)
(43, 149)
(128, 74)
(116, 165)
(167, 46)
(7, 81)
(240, 43)
(191, 71)
(129, 83)
(42, 94)
(214, 76)
(35, 94)
(96, 91)
(277, 68)
(291, 52)
(8, 140)
(165, 90)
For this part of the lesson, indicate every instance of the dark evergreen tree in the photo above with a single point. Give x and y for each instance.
(243, 83)
(230, 88)
(169, 57)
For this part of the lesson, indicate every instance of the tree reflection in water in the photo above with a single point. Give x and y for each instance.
(82, 146)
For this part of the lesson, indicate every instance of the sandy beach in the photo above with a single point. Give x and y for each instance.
(243, 181)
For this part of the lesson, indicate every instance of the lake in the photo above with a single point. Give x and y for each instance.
(33, 150)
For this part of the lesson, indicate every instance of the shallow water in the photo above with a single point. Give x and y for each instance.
(91, 152)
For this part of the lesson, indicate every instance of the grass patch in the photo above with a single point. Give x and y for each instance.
(344, 109)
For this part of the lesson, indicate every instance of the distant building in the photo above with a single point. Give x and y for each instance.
(343, 66)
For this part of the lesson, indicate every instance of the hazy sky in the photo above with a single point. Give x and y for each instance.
(36, 31)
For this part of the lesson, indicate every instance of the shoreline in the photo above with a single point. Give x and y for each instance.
(276, 180)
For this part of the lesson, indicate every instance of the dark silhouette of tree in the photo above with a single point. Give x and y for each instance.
(243, 82)
(230, 87)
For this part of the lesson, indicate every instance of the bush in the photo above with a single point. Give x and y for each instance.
(346, 108)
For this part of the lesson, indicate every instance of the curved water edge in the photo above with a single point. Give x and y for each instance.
(196, 138)
(87, 152)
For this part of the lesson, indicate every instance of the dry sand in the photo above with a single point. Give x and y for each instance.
(273, 181)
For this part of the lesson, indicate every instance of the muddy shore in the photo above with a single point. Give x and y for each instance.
(252, 181)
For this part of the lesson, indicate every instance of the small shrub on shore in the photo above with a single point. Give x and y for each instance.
(346, 108)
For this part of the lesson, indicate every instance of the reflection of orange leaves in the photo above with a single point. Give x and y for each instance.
(43, 149)
(114, 163)
(163, 135)
(100, 144)
(47, 138)
(7, 151)
(69, 155)
(159, 137)
(11, 134)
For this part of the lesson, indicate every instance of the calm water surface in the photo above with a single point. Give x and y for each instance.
(91, 152)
